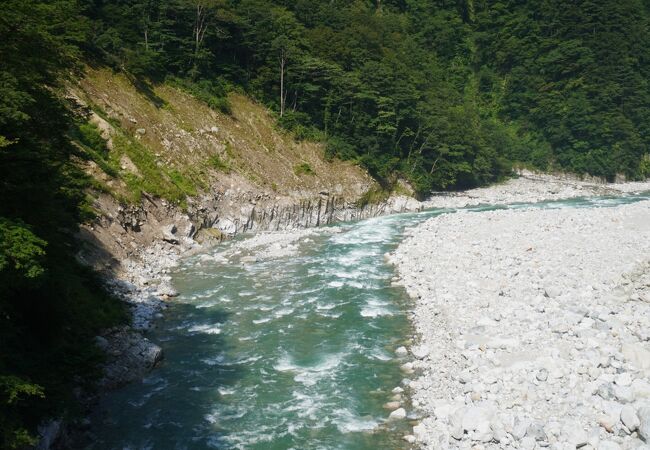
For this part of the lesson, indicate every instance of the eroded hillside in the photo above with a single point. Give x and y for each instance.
(171, 170)
(209, 149)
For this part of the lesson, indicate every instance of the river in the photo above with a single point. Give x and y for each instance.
(286, 352)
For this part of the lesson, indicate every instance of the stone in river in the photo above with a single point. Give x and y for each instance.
(399, 413)
(401, 351)
(391, 405)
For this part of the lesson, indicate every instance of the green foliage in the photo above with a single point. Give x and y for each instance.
(217, 163)
(213, 94)
(303, 169)
(644, 166)
(20, 250)
(93, 147)
(576, 77)
(50, 307)
(373, 196)
(153, 177)
(442, 93)
(13, 393)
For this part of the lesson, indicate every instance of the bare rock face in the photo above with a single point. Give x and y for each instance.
(168, 233)
(130, 357)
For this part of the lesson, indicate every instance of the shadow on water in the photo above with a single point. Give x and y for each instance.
(177, 392)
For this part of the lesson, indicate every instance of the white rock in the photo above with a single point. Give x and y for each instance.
(623, 379)
(476, 419)
(644, 423)
(608, 445)
(420, 352)
(401, 351)
(527, 443)
(399, 413)
(637, 355)
(409, 438)
(520, 427)
(623, 394)
(542, 375)
(578, 437)
(629, 418)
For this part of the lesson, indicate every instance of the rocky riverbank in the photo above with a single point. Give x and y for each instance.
(531, 187)
(533, 324)
(145, 244)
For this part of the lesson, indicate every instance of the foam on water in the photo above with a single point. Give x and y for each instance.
(263, 320)
(207, 329)
(376, 308)
(310, 375)
(347, 422)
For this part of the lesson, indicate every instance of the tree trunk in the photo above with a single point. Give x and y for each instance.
(283, 62)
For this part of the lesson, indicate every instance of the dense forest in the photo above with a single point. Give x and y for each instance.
(446, 94)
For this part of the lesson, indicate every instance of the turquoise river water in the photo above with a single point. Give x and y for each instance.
(294, 352)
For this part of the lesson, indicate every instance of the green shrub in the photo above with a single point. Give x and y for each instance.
(303, 169)
(212, 93)
(373, 196)
(217, 163)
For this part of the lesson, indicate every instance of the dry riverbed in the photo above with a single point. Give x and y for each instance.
(534, 324)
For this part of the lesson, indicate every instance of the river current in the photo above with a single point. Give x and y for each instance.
(290, 352)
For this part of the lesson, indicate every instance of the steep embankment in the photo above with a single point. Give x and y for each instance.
(174, 156)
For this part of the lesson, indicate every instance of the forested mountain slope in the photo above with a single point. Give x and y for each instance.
(446, 94)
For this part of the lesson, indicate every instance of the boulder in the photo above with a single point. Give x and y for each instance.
(638, 355)
(130, 357)
(399, 413)
(391, 406)
(168, 233)
(477, 419)
(165, 288)
(629, 418)
(420, 352)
